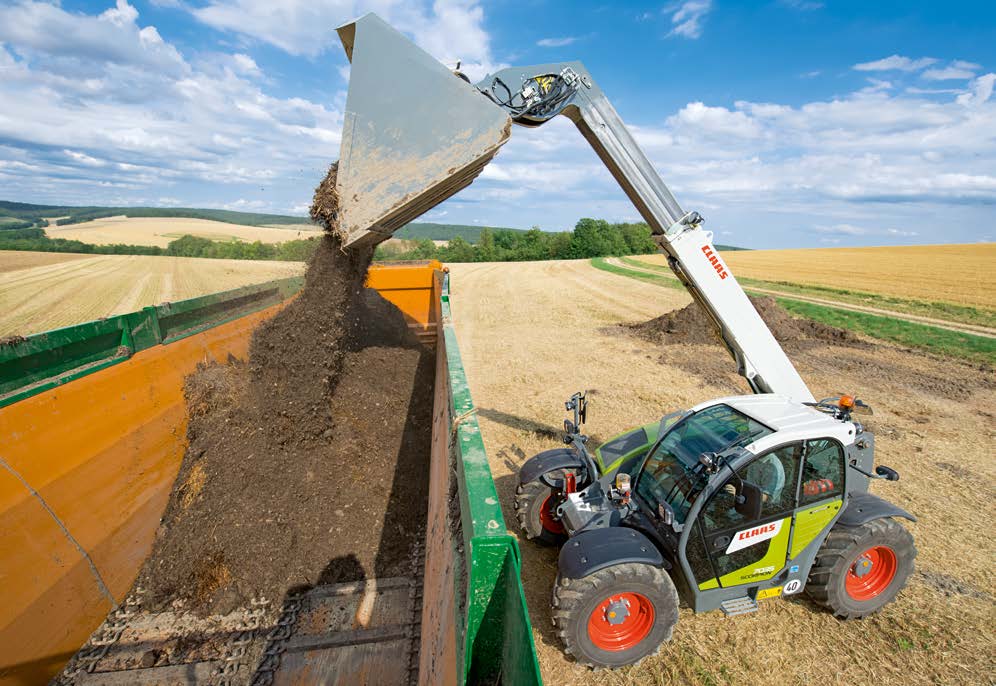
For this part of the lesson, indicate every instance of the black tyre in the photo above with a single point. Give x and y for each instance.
(616, 616)
(535, 508)
(860, 569)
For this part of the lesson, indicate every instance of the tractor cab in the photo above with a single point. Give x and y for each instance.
(736, 493)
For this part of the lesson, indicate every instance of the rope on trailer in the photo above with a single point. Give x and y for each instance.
(460, 418)
(86, 556)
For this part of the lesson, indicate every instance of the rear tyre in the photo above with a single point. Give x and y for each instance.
(536, 509)
(861, 569)
(616, 616)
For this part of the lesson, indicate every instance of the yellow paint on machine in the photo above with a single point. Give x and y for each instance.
(101, 452)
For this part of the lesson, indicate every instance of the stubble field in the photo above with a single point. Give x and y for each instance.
(43, 291)
(532, 333)
(159, 231)
(960, 274)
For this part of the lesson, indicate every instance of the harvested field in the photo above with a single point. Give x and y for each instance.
(14, 260)
(960, 274)
(40, 294)
(160, 231)
(527, 343)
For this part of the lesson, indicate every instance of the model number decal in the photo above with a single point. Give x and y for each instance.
(714, 261)
(749, 537)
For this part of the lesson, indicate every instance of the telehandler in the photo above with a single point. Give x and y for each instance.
(729, 502)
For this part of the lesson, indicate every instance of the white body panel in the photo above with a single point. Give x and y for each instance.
(742, 327)
(790, 420)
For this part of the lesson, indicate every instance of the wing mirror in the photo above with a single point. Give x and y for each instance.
(749, 501)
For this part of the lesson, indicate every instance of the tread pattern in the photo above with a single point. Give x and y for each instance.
(572, 597)
(527, 497)
(826, 578)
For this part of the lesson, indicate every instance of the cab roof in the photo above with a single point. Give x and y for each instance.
(790, 420)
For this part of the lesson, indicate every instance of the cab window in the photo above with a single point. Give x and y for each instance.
(822, 472)
(776, 473)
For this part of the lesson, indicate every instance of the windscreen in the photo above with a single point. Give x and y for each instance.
(671, 474)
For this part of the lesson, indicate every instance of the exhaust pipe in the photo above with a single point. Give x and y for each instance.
(413, 133)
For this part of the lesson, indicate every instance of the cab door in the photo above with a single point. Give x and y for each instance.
(732, 550)
(821, 492)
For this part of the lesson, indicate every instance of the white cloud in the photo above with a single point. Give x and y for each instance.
(877, 86)
(244, 64)
(932, 91)
(698, 119)
(947, 74)
(803, 5)
(846, 229)
(450, 30)
(111, 105)
(687, 17)
(556, 42)
(84, 159)
(113, 36)
(982, 89)
(896, 63)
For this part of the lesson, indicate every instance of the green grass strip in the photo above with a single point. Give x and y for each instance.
(662, 280)
(952, 312)
(922, 336)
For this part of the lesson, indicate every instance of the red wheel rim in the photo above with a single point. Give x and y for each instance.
(871, 573)
(635, 625)
(549, 522)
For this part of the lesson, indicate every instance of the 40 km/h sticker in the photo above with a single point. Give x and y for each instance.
(748, 537)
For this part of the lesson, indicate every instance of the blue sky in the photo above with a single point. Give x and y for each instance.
(786, 123)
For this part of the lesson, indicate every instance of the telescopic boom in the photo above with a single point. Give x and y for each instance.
(414, 134)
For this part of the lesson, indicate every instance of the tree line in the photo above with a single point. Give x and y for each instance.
(297, 250)
(590, 238)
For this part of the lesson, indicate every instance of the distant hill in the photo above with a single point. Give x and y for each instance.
(22, 215)
(77, 215)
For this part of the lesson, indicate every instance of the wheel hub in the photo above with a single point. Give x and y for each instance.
(617, 611)
(621, 622)
(871, 573)
(862, 567)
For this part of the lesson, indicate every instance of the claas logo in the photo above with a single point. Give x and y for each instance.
(714, 261)
(752, 533)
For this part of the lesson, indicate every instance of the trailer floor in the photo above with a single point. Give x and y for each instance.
(364, 632)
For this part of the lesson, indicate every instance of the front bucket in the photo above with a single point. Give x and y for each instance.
(413, 133)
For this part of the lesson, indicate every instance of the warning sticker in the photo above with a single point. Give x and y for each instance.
(769, 592)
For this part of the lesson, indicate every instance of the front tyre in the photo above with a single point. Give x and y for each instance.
(861, 569)
(616, 616)
(536, 509)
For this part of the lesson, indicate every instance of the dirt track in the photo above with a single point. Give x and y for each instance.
(532, 333)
